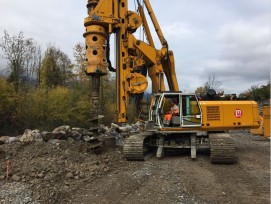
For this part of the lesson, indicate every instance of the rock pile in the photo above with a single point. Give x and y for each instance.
(74, 134)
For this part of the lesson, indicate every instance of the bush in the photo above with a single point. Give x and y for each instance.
(7, 104)
(49, 108)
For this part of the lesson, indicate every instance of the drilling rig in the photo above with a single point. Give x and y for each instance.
(199, 124)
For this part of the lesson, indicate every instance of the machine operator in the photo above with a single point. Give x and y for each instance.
(174, 110)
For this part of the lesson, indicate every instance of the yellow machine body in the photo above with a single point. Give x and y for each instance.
(264, 128)
(229, 115)
(266, 121)
(204, 115)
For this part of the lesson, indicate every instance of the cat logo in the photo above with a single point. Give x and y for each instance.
(238, 113)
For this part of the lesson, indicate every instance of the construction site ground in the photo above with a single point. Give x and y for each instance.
(70, 172)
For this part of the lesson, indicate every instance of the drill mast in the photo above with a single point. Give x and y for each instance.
(134, 58)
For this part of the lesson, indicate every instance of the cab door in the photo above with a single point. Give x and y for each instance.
(191, 115)
(155, 109)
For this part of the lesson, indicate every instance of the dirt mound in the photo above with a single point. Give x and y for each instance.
(53, 172)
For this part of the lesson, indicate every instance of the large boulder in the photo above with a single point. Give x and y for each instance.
(103, 129)
(65, 128)
(30, 136)
(126, 128)
(61, 135)
(46, 136)
(37, 135)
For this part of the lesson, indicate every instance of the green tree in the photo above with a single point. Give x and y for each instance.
(199, 90)
(257, 92)
(265, 91)
(56, 68)
(79, 65)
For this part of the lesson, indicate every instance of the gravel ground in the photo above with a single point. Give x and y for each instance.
(14, 193)
(70, 173)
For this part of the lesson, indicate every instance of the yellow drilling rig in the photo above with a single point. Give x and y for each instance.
(198, 124)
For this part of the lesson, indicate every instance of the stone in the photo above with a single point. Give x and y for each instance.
(69, 139)
(64, 128)
(114, 134)
(61, 135)
(4, 139)
(86, 138)
(76, 129)
(2, 178)
(92, 173)
(41, 175)
(126, 128)
(84, 132)
(102, 128)
(81, 175)
(114, 126)
(76, 135)
(46, 136)
(16, 178)
(69, 175)
(54, 141)
(48, 177)
(37, 136)
(30, 136)
(12, 139)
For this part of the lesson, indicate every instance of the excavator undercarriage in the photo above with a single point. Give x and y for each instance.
(143, 145)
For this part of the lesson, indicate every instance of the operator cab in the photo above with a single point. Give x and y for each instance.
(171, 110)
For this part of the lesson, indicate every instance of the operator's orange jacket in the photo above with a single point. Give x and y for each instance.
(168, 116)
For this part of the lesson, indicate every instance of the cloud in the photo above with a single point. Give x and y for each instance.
(46, 21)
(245, 35)
(243, 55)
(246, 50)
(180, 30)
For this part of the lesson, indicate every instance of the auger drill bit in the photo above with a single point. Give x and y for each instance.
(96, 63)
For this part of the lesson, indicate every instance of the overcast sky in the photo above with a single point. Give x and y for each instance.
(228, 38)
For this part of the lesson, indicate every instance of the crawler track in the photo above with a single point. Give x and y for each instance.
(134, 147)
(222, 149)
